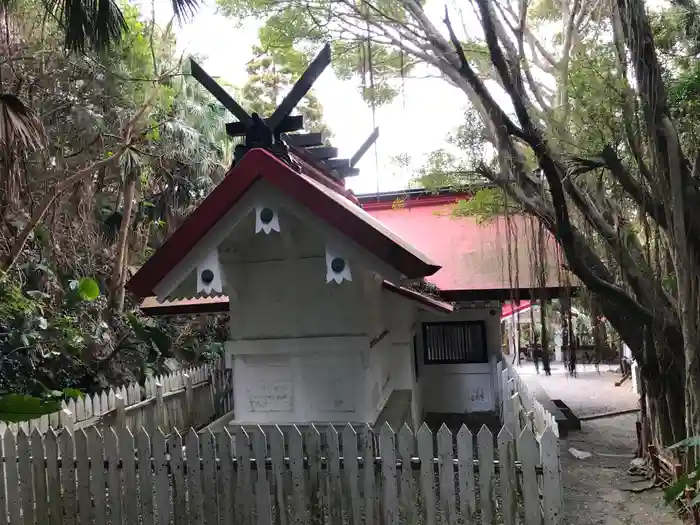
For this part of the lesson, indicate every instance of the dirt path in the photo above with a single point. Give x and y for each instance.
(593, 487)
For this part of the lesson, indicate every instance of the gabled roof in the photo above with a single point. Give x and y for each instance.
(474, 256)
(312, 190)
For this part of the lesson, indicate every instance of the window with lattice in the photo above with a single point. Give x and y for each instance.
(455, 343)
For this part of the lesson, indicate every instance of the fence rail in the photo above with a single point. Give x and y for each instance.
(178, 400)
(122, 478)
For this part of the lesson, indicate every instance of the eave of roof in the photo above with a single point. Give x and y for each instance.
(220, 303)
(319, 196)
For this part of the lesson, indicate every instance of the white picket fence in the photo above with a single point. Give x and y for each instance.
(177, 400)
(517, 403)
(267, 476)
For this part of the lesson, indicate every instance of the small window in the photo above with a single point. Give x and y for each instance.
(454, 343)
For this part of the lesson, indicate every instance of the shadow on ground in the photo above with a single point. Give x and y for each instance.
(594, 487)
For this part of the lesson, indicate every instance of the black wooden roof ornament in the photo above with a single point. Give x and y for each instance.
(275, 132)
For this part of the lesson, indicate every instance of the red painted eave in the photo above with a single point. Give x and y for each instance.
(423, 200)
(319, 196)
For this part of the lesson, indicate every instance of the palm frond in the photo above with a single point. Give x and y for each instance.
(184, 9)
(20, 128)
(93, 24)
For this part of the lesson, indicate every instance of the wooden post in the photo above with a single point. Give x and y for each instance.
(213, 390)
(531, 419)
(120, 407)
(189, 401)
(67, 420)
(159, 415)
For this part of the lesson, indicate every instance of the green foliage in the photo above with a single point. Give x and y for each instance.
(293, 32)
(597, 96)
(88, 289)
(18, 407)
(485, 205)
(676, 489)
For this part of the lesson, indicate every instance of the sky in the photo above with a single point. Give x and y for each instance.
(430, 103)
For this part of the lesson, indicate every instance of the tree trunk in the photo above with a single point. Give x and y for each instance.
(598, 330)
(544, 337)
(121, 259)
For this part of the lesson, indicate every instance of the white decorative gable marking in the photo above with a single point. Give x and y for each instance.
(266, 219)
(337, 267)
(210, 275)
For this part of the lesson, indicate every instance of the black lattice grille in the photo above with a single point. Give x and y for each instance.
(455, 343)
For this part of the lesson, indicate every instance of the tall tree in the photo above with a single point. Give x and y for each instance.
(576, 146)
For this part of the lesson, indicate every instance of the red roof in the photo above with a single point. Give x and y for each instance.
(507, 310)
(473, 256)
(312, 189)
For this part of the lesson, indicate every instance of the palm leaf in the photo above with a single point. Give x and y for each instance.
(184, 8)
(20, 128)
(93, 24)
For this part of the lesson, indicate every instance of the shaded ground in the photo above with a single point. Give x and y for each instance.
(593, 486)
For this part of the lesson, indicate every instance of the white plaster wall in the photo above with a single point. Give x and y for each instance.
(460, 388)
(299, 380)
(292, 299)
(300, 346)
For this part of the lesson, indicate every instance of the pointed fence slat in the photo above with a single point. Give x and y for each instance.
(82, 458)
(445, 451)
(352, 474)
(177, 466)
(335, 488)
(53, 478)
(111, 450)
(262, 487)
(466, 481)
(506, 474)
(368, 474)
(25, 476)
(528, 455)
(127, 456)
(194, 478)
(12, 478)
(427, 476)
(226, 479)
(551, 477)
(387, 450)
(313, 454)
(70, 503)
(244, 490)
(143, 441)
(208, 444)
(296, 465)
(407, 449)
(38, 477)
(484, 441)
(279, 469)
